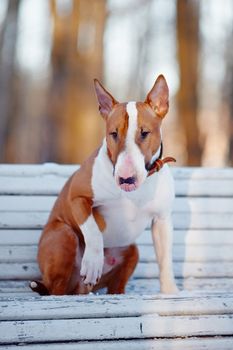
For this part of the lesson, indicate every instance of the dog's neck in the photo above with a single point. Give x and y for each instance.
(157, 155)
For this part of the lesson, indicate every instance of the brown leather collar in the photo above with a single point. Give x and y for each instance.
(159, 162)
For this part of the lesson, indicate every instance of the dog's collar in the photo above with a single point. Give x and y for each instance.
(159, 162)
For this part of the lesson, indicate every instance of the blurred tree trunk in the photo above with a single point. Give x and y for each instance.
(187, 98)
(75, 127)
(227, 93)
(8, 79)
(230, 153)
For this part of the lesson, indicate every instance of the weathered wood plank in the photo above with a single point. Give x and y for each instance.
(199, 173)
(52, 184)
(148, 326)
(36, 185)
(181, 204)
(187, 237)
(14, 287)
(140, 286)
(25, 170)
(15, 254)
(29, 270)
(203, 343)
(29, 220)
(189, 253)
(25, 220)
(19, 236)
(17, 271)
(188, 269)
(204, 285)
(85, 307)
(27, 203)
(193, 237)
(66, 170)
(210, 188)
(199, 253)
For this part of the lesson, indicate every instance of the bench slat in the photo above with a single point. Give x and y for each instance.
(210, 343)
(19, 236)
(29, 220)
(51, 185)
(203, 284)
(191, 253)
(194, 237)
(66, 170)
(139, 286)
(187, 269)
(143, 270)
(189, 237)
(114, 328)
(86, 307)
(180, 253)
(181, 204)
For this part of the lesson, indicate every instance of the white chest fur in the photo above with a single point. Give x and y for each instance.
(127, 214)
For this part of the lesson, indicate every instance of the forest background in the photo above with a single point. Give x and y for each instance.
(50, 52)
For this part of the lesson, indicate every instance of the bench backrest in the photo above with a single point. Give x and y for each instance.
(203, 222)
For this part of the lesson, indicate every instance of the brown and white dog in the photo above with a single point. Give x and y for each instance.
(89, 240)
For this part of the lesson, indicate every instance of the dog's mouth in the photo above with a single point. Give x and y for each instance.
(128, 184)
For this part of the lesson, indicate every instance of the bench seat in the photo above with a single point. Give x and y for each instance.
(199, 317)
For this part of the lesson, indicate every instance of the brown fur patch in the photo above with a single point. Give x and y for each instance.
(116, 122)
(99, 219)
(148, 121)
(62, 235)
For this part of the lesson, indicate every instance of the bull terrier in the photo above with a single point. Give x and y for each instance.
(88, 242)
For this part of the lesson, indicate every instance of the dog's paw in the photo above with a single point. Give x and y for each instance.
(92, 266)
(169, 288)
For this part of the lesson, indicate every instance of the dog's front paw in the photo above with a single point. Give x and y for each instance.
(92, 265)
(169, 288)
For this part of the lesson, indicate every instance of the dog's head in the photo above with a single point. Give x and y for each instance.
(133, 133)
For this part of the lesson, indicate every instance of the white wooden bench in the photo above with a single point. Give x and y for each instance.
(201, 317)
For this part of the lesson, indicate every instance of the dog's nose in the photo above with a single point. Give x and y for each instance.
(129, 180)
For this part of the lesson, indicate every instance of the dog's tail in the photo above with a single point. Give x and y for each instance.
(39, 288)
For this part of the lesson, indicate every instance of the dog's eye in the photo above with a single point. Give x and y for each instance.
(144, 134)
(114, 134)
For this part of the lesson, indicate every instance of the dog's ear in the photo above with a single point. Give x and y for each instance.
(158, 96)
(105, 99)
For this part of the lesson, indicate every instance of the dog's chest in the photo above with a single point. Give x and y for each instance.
(125, 215)
(125, 220)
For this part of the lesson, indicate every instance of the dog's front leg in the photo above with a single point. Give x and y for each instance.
(162, 232)
(93, 257)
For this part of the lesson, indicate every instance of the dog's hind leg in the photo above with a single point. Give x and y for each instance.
(117, 278)
(56, 256)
